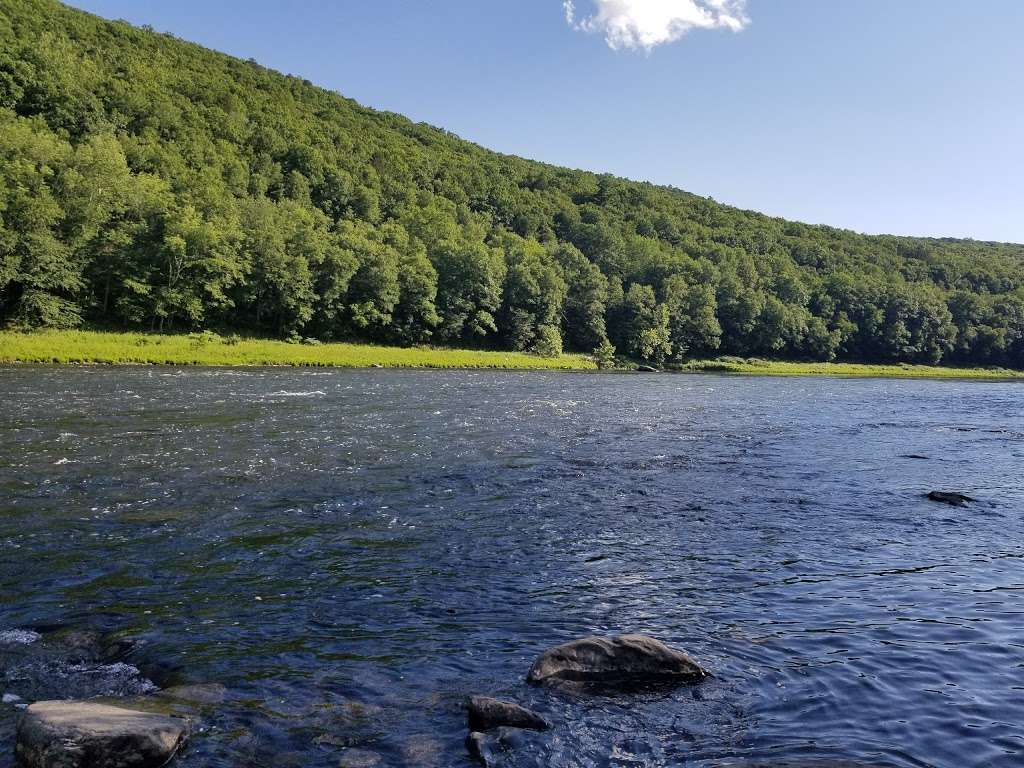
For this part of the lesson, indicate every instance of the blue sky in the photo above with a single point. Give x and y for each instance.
(903, 117)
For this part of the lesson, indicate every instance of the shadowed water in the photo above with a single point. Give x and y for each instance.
(352, 553)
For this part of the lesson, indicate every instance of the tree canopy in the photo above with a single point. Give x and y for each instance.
(149, 183)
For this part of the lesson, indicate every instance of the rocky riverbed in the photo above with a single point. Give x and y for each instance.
(82, 706)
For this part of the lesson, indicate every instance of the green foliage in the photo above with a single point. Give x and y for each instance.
(641, 325)
(693, 326)
(533, 297)
(147, 183)
(547, 341)
(585, 300)
(604, 355)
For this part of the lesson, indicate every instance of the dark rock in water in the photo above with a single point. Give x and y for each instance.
(80, 645)
(87, 646)
(509, 738)
(913, 456)
(69, 665)
(478, 747)
(486, 713)
(950, 497)
(347, 723)
(647, 369)
(485, 747)
(620, 662)
(38, 679)
(82, 734)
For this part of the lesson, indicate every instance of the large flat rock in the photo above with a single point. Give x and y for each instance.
(617, 662)
(83, 734)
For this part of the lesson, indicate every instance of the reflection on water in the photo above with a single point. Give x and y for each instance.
(352, 553)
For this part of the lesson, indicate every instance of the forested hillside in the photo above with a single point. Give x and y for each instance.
(148, 183)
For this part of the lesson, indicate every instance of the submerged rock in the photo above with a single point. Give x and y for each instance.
(197, 693)
(950, 497)
(620, 662)
(83, 734)
(360, 758)
(486, 747)
(486, 713)
(422, 752)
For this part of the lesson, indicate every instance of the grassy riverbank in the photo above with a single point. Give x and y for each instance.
(209, 349)
(85, 347)
(852, 370)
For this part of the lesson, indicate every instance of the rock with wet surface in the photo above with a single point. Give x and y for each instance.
(38, 679)
(478, 747)
(950, 497)
(486, 713)
(486, 748)
(84, 734)
(620, 662)
(70, 664)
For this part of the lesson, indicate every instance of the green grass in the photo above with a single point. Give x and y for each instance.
(901, 370)
(207, 349)
(84, 347)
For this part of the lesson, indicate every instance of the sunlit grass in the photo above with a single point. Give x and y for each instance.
(84, 347)
(98, 347)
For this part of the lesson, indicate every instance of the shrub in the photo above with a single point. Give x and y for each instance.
(604, 355)
(203, 337)
(548, 343)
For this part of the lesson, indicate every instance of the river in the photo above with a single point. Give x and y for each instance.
(353, 553)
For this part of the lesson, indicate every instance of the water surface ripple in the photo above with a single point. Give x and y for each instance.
(352, 553)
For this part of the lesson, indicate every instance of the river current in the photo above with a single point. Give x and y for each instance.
(353, 553)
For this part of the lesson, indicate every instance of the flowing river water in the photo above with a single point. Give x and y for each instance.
(353, 553)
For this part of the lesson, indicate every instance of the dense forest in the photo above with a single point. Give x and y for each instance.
(149, 183)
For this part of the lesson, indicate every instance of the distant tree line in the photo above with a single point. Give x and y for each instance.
(149, 183)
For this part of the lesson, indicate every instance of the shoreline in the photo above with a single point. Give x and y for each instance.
(80, 347)
(130, 348)
(782, 368)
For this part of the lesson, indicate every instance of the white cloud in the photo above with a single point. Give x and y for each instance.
(647, 23)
